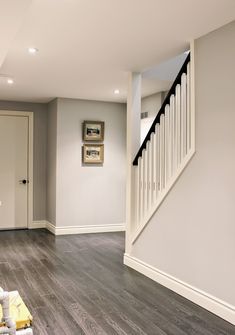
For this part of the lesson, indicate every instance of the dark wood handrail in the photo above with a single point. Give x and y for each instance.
(162, 109)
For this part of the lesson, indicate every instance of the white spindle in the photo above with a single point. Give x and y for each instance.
(152, 154)
(138, 193)
(183, 116)
(142, 187)
(166, 141)
(158, 153)
(145, 181)
(155, 158)
(169, 143)
(162, 152)
(173, 140)
(188, 110)
(160, 158)
(148, 175)
(178, 133)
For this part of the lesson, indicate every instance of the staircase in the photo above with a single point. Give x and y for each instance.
(166, 150)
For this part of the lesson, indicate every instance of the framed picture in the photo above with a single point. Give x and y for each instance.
(93, 131)
(93, 153)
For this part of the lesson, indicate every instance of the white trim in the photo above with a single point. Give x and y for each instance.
(30, 167)
(51, 227)
(77, 229)
(84, 229)
(15, 113)
(199, 297)
(132, 146)
(29, 115)
(38, 224)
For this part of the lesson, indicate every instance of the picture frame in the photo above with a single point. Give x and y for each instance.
(93, 131)
(93, 153)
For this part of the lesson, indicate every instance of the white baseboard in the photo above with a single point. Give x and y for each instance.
(201, 298)
(38, 224)
(51, 227)
(85, 229)
(77, 229)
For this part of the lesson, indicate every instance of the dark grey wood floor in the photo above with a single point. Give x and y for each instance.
(78, 285)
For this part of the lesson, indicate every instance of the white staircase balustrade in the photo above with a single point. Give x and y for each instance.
(168, 149)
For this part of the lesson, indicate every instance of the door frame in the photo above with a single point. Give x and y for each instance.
(29, 115)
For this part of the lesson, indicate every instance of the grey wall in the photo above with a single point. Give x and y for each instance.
(192, 235)
(51, 161)
(40, 147)
(90, 195)
(152, 104)
(63, 188)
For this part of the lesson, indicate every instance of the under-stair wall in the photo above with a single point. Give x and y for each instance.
(188, 244)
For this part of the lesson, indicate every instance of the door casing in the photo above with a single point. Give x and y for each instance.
(29, 115)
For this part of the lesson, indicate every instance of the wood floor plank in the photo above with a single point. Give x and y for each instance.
(78, 285)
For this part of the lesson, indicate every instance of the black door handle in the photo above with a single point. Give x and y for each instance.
(24, 181)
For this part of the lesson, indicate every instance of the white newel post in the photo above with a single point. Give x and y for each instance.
(133, 145)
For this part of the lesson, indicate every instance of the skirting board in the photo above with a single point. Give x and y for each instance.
(203, 299)
(38, 224)
(77, 229)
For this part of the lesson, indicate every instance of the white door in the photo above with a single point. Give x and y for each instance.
(13, 171)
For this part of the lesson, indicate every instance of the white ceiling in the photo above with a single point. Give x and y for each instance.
(87, 47)
(12, 13)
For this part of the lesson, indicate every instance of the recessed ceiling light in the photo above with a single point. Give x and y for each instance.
(116, 92)
(10, 81)
(32, 50)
